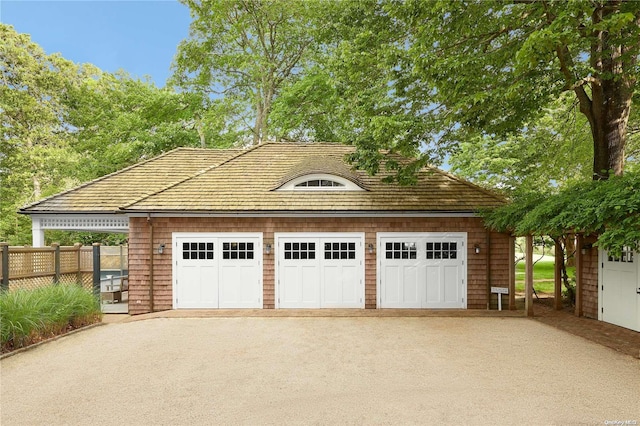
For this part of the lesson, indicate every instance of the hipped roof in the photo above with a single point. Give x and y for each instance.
(218, 181)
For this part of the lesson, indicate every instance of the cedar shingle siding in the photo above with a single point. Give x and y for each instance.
(590, 266)
(164, 226)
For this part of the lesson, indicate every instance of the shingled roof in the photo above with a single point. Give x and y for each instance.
(229, 181)
(108, 193)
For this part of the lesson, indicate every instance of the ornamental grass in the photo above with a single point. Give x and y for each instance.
(30, 316)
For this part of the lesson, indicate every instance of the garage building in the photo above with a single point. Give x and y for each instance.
(290, 225)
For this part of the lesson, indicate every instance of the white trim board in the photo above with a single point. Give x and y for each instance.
(365, 214)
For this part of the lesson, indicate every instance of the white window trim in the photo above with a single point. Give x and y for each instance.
(347, 184)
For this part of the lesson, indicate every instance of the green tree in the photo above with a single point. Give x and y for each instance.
(35, 159)
(495, 65)
(63, 123)
(607, 208)
(350, 94)
(461, 71)
(551, 152)
(118, 120)
(245, 51)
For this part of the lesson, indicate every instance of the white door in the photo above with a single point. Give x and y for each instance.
(445, 278)
(217, 270)
(322, 270)
(298, 272)
(620, 290)
(341, 274)
(402, 273)
(196, 273)
(422, 270)
(240, 274)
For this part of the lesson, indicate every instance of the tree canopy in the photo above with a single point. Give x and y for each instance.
(551, 152)
(117, 120)
(246, 51)
(35, 151)
(606, 208)
(459, 70)
(522, 96)
(65, 123)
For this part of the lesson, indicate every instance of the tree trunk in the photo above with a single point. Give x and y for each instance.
(257, 127)
(611, 91)
(263, 108)
(570, 249)
(37, 187)
(610, 108)
(266, 110)
(200, 130)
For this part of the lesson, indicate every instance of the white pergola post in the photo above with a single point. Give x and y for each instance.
(512, 273)
(528, 279)
(37, 233)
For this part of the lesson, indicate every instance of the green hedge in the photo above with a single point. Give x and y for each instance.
(29, 316)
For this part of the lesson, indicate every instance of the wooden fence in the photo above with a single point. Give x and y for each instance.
(33, 267)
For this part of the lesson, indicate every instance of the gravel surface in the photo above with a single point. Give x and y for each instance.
(320, 371)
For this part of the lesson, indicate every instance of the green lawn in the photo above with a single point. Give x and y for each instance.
(542, 276)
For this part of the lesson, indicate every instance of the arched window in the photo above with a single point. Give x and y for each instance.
(320, 182)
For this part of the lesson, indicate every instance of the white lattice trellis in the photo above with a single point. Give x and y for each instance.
(85, 222)
(88, 223)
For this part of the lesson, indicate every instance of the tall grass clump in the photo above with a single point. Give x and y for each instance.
(29, 316)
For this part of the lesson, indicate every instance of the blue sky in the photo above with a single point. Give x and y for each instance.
(138, 36)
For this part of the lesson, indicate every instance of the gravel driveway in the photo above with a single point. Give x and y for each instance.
(320, 371)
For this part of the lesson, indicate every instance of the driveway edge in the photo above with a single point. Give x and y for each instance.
(52, 339)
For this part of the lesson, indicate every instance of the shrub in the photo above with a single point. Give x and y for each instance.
(28, 316)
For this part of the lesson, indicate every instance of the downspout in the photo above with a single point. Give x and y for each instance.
(150, 262)
(488, 269)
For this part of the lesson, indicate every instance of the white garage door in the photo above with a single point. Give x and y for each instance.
(323, 270)
(422, 270)
(212, 270)
(620, 290)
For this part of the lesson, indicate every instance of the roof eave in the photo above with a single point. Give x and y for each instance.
(69, 212)
(314, 213)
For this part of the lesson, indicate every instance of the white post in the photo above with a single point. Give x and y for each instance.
(528, 276)
(37, 233)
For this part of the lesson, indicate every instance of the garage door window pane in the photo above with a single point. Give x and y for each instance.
(445, 250)
(197, 251)
(299, 251)
(339, 250)
(626, 256)
(402, 250)
(237, 250)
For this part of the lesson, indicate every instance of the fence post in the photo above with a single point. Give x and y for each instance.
(5, 266)
(77, 247)
(96, 269)
(56, 263)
